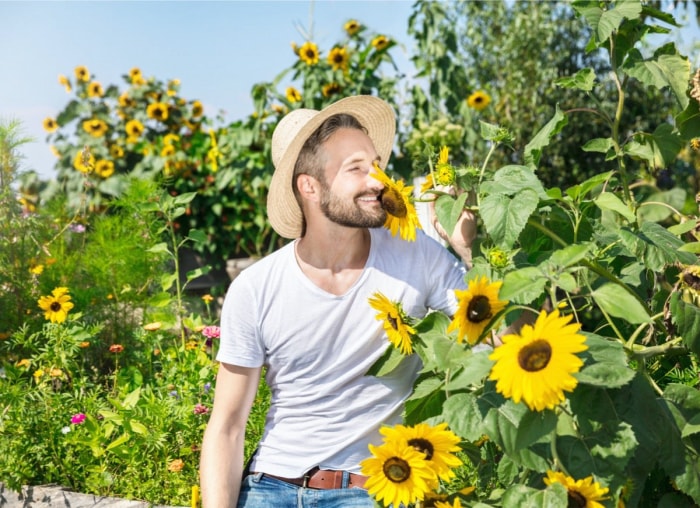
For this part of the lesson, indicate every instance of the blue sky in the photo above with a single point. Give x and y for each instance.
(218, 50)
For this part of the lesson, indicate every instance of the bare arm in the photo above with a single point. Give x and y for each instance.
(221, 466)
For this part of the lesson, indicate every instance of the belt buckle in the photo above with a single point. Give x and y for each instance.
(305, 480)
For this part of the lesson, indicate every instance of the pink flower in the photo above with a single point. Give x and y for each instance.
(77, 418)
(211, 332)
(200, 409)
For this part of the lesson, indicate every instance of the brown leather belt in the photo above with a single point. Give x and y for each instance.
(324, 479)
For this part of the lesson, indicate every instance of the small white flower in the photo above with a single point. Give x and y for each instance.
(65, 430)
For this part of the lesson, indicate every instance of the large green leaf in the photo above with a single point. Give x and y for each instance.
(605, 363)
(448, 210)
(618, 302)
(605, 22)
(474, 368)
(665, 68)
(533, 150)
(510, 180)
(505, 218)
(655, 246)
(609, 201)
(462, 415)
(387, 363)
(688, 121)
(658, 149)
(580, 191)
(582, 80)
(523, 286)
(674, 198)
(554, 496)
(686, 319)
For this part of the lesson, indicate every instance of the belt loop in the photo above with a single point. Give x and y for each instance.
(305, 482)
(346, 480)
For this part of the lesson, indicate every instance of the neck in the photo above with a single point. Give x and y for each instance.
(337, 249)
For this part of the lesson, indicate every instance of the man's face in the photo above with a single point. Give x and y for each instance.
(350, 195)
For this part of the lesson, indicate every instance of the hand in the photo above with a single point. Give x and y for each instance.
(462, 236)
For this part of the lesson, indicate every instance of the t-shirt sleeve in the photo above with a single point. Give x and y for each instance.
(240, 341)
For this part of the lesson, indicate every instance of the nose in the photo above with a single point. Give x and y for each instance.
(373, 183)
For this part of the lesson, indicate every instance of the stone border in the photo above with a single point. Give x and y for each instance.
(54, 496)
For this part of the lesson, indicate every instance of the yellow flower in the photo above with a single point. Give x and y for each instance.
(444, 172)
(478, 304)
(194, 502)
(65, 82)
(584, 493)
(104, 168)
(207, 298)
(191, 345)
(152, 327)
(55, 151)
(135, 76)
(125, 101)
(84, 164)
(116, 151)
(446, 504)
(478, 100)
(55, 372)
(82, 73)
(38, 374)
(395, 320)
(536, 366)
(338, 59)
(380, 42)
(396, 200)
(157, 111)
(197, 109)
(331, 89)
(134, 130)
(213, 154)
(167, 151)
(171, 139)
(84, 344)
(398, 474)
(95, 127)
(352, 27)
(176, 466)
(57, 305)
(95, 89)
(24, 362)
(50, 124)
(293, 95)
(308, 53)
(428, 184)
(695, 144)
(37, 269)
(438, 444)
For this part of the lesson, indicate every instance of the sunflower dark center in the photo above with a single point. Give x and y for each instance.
(393, 203)
(310, 53)
(423, 445)
(479, 309)
(575, 499)
(56, 306)
(397, 470)
(478, 99)
(393, 321)
(692, 280)
(535, 356)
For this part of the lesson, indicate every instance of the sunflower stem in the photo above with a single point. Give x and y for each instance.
(555, 455)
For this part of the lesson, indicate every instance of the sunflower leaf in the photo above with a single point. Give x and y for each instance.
(616, 301)
(523, 496)
(449, 209)
(462, 415)
(605, 363)
(390, 359)
(505, 218)
(523, 286)
(686, 319)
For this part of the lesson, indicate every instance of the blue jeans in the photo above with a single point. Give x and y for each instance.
(260, 491)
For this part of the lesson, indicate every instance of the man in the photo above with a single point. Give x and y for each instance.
(303, 314)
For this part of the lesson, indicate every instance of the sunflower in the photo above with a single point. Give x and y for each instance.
(134, 130)
(157, 111)
(478, 304)
(537, 364)
(65, 82)
(171, 139)
(293, 95)
(50, 124)
(478, 100)
(116, 151)
(104, 168)
(95, 90)
(167, 150)
(395, 322)
(444, 172)
(338, 59)
(57, 305)
(84, 164)
(95, 127)
(352, 27)
(427, 184)
(397, 474)
(380, 42)
(125, 101)
(82, 73)
(438, 445)
(457, 503)
(331, 89)
(396, 200)
(136, 77)
(583, 493)
(308, 53)
(197, 109)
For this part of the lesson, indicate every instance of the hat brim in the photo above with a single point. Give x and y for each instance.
(373, 113)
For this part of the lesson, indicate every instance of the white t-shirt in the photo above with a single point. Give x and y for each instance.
(317, 348)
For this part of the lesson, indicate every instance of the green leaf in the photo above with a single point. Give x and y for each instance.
(505, 218)
(602, 145)
(686, 319)
(138, 427)
(523, 286)
(488, 131)
(197, 236)
(119, 441)
(159, 248)
(571, 254)
(658, 149)
(132, 399)
(693, 247)
(390, 359)
(688, 121)
(184, 199)
(618, 302)
(605, 363)
(682, 228)
(554, 496)
(474, 369)
(582, 80)
(462, 415)
(675, 198)
(533, 150)
(665, 68)
(609, 201)
(579, 192)
(510, 180)
(449, 209)
(655, 246)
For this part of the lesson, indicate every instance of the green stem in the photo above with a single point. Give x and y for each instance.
(483, 170)
(616, 122)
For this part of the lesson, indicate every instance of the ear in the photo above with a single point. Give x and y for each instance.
(309, 188)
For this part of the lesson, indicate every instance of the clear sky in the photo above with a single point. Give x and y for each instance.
(218, 50)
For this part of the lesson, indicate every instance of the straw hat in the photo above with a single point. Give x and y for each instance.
(292, 132)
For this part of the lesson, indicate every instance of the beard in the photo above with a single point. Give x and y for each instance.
(350, 214)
